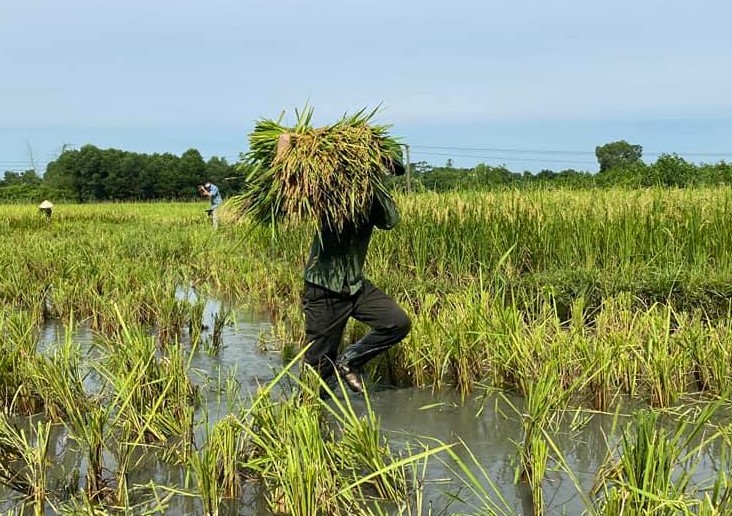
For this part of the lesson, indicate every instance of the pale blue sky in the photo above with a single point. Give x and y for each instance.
(532, 84)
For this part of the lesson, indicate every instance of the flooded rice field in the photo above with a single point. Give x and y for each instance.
(487, 424)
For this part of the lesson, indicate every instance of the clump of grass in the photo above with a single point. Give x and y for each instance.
(216, 339)
(172, 315)
(59, 378)
(544, 399)
(326, 174)
(654, 469)
(216, 466)
(24, 459)
(195, 322)
(320, 457)
(17, 353)
(153, 388)
(709, 352)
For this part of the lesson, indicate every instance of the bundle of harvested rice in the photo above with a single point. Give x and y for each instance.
(327, 174)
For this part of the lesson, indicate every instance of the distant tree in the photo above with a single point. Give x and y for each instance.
(148, 176)
(166, 166)
(228, 178)
(28, 178)
(191, 171)
(119, 178)
(716, 173)
(673, 170)
(21, 186)
(485, 175)
(217, 170)
(442, 179)
(617, 155)
(546, 175)
(61, 175)
(92, 174)
(571, 178)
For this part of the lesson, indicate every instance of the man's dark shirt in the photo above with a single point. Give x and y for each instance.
(336, 259)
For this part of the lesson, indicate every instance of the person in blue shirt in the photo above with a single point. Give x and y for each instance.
(211, 191)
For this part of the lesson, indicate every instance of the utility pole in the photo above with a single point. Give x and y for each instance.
(30, 157)
(408, 167)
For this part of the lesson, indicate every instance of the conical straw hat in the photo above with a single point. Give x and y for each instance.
(45, 204)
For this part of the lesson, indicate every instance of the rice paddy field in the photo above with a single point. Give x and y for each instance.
(571, 353)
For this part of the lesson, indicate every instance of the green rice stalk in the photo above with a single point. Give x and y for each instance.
(195, 322)
(216, 341)
(654, 471)
(17, 353)
(24, 460)
(154, 392)
(86, 418)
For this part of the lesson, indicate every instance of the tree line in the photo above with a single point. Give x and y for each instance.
(620, 165)
(90, 174)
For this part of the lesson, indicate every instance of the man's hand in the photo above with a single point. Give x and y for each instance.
(283, 144)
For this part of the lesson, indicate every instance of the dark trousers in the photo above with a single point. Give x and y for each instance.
(326, 315)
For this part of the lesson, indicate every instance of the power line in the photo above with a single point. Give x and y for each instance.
(489, 149)
(451, 155)
(556, 151)
(515, 154)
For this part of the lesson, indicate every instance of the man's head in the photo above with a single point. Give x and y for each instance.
(207, 185)
(395, 167)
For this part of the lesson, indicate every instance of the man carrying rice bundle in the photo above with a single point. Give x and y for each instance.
(334, 176)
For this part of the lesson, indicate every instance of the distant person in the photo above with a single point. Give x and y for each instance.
(46, 208)
(211, 191)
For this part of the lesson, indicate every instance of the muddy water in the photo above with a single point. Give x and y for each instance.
(488, 425)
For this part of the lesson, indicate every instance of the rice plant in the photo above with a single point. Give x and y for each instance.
(317, 456)
(544, 399)
(215, 341)
(195, 322)
(24, 461)
(155, 390)
(216, 465)
(646, 477)
(17, 351)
